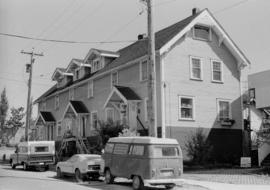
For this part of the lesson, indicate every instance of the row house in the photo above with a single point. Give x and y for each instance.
(259, 104)
(199, 77)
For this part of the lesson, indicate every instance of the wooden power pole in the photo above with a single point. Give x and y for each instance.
(32, 54)
(152, 101)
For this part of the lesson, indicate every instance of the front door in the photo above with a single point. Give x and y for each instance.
(83, 126)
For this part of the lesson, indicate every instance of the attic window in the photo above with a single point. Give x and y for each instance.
(202, 33)
(96, 65)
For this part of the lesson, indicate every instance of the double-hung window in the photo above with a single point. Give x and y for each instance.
(224, 109)
(196, 68)
(143, 70)
(71, 94)
(114, 79)
(109, 114)
(90, 91)
(186, 108)
(217, 75)
(56, 105)
(94, 119)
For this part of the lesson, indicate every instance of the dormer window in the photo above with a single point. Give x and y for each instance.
(202, 33)
(96, 65)
(77, 74)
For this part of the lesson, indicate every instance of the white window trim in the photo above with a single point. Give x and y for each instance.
(117, 79)
(190, 66)
(90, 84)
(75, 71)
(212, 70)
(197, 38)
(147, 68)
(56, 102)
(193, 108)
(230, 107)
(93, 112)
(145, 109)
(106, 113)
(71, 94)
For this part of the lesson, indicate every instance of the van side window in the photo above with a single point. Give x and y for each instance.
(166, 151)
(109, 148)
(120, 149)
(138, 150)
(23, 149)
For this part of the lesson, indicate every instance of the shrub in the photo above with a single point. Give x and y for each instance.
(198, 147)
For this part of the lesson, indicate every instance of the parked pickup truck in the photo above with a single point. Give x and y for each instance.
(37, 154)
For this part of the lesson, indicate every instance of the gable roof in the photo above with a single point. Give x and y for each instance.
(128, 93)
(47, 116)
(78, 107)
(164, 39)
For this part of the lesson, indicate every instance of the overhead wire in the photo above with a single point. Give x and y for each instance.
(51, 24)
(230, 6)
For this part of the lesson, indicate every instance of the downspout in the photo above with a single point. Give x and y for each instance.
(162, 87)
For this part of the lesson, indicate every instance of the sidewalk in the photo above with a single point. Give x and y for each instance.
(224, 186)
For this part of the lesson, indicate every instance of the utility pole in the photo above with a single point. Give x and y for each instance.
(152, 101)
(32, 60)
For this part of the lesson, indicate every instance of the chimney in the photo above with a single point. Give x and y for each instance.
(195, 11)
(141, 36)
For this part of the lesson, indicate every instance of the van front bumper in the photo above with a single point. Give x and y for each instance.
(163, 181)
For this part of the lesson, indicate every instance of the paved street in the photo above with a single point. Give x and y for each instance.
(200, 180)
(31, 180)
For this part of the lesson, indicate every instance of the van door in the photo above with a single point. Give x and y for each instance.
(167, 161)
(119, 159)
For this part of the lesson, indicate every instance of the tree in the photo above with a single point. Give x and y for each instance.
(198, 147)
(15, 120)
(3, 111)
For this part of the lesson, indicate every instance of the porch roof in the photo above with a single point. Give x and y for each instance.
(128, 93)
(123, 94)
(79, 107)
(47, 116)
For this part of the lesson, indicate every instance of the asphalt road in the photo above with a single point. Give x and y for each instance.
(19, 179)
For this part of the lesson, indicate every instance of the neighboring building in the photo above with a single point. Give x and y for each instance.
(200, 74)
(259, 93)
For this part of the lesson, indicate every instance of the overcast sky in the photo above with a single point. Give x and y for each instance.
(247, 22)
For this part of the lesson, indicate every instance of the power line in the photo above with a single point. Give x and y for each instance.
(230, 7)
(19, 81)
(64, 41)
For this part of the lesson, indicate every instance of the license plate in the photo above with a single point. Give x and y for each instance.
(167, 173)
(41, 163)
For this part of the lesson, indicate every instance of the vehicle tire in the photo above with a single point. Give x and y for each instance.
(170, 186)
(46, 168)
(78, 175)
(137, 183)
(25, 166)
(58, 173)
(13, 166)
(109, 178)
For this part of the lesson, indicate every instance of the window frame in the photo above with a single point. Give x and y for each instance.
(147, 69)
(117, 79)
(106, 113)
(198, 38)
(90, 85)
(180, 107)
(93, 112)
(218, 108)
(77, 73)
(56, 102)
(191, 68)
(221, 71)
(145, 109)
(71, 93)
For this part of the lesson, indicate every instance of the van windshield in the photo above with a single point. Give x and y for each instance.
(41, 149)
(166, 151)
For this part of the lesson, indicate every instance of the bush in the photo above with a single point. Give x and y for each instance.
(198, 148)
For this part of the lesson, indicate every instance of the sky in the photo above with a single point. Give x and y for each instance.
(112, 21)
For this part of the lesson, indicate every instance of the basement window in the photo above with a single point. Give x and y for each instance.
(202, 33)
